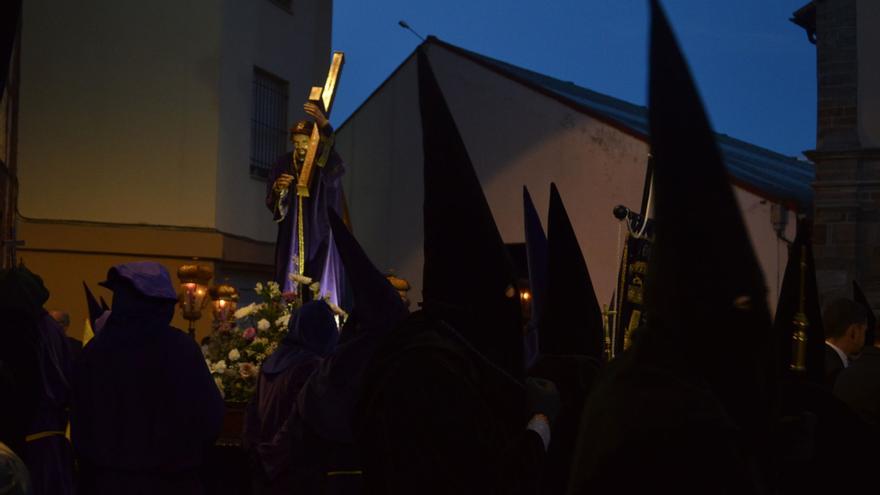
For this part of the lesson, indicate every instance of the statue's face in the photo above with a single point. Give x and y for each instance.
(300, 147)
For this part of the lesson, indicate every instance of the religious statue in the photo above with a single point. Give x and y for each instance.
(302, 186)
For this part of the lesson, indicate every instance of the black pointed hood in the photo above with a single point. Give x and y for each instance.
(468, 279)
(573, 321)
(104, 305)
(705, 292)
(377, 305)
(95, 310)
(789, 305)
(536, 253)
(328, 400)
(860, 298)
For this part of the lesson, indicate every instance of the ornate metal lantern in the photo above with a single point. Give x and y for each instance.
(193, 292)
(224, 302)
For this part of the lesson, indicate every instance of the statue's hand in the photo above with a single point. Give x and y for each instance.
(314, 111)
(282, 182)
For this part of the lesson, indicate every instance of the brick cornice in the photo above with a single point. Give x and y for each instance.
(817, 156)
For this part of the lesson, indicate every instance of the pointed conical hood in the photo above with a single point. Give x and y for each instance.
(536, 252)
(104, 305)
(376, 303)
(468, 278)
(705, 292)
(789, 305)
(860, 298)
(95, 310)
(573, 321)
(328, 400)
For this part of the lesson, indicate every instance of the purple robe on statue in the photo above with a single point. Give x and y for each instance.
(274, 434)
(146, 409)
(322, 260)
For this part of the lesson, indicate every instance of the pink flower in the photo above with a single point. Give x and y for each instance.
(249, 333)
(247, 370)
(289, 296)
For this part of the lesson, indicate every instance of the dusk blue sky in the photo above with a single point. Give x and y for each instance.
(756, 70)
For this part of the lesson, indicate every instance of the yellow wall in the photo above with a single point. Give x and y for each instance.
(67, 253)
(119, 111)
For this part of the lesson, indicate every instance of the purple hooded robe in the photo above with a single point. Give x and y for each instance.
(38, 357)
(272, 422)
(145, 406)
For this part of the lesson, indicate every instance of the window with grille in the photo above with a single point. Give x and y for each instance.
(268, 122)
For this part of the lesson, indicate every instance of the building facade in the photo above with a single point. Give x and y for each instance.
(847, 154)
(145, 130)
(524, 128)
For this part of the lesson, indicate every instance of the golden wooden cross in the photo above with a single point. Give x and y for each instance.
(324, 97)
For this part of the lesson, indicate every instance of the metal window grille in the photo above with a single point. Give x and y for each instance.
(268, 122)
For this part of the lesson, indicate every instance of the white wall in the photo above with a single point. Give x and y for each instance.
(294, 46)
(140, 112)
(515, 137)
(119, 109)
(868, 18)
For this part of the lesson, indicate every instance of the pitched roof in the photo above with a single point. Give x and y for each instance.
(769, 174)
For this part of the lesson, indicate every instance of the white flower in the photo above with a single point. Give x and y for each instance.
(300, 279)
(219, 367)
(219, 383)
(258, 287)
(274, 289)
(208, 363)
(263, 324)
(283, 321)
(234, 355)
(315, 288)
(246, 311)
(271, 348)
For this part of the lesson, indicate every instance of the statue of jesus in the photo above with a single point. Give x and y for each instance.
(304, 247)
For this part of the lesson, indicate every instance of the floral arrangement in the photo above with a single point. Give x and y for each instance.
(237, 348)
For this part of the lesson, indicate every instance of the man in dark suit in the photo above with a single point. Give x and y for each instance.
(845, 324)
(859, 384)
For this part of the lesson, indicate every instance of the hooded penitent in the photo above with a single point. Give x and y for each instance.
(702, 365)
(536, 253)
(444, 378)
(271, 434)
(19, 353)
(145, 405)
(571, 340)
(859, 297)
(705, 290)
(312, 332)
(573, 320)
(327, 402)
(799, 287)
(33, 346)
(468, 280)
